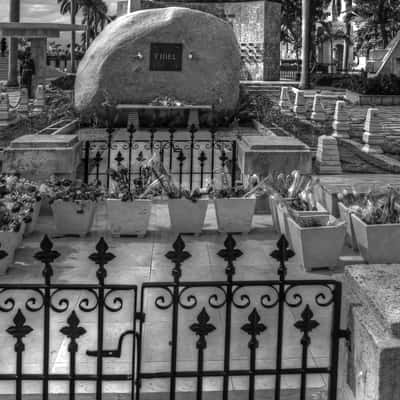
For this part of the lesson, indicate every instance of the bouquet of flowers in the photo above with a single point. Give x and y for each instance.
(379, 207)
(166, 101)
(165, 182)
(74, 191)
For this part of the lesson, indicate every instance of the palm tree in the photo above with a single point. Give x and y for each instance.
(306, 39)
(65, 8)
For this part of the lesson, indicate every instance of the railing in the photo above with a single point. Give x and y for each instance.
(185, 155)
(218, 317)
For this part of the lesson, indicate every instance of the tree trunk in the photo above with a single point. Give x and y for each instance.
(73, 38)
(13, 47)
(346, 50)
(306, 33)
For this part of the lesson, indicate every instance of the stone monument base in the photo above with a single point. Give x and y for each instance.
(38, 157)
(262, 155)
(373, 304)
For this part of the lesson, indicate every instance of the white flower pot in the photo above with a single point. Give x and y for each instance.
(31, 226)
(128, 217)
(378, 244)
(9, 242)
(283, 213)
(317, 247)
(345, 215)
(234, 215)
(68, 221)
(187, 216)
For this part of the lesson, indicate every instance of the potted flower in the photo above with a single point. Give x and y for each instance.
(73, 204)
(12, 224)
(128, 209)
(300, 201)
(234, 206)
(187, 209)
(349, 201)
(376, 225)
(15, 190)
(318, 243)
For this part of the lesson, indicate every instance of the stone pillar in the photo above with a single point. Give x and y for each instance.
(284, 101)
(40, 100)
(272, 40)
(341, 120)
(318, 112)
(300, 103)
(134, 5)
(328, 158)
(371, 369)
(306, 39)
(38, 52)
(373, 135)
(13, 45)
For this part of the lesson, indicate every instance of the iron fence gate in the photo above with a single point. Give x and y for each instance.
(191, 157)
(220, 316)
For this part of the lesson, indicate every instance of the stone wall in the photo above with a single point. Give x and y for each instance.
(257, 27)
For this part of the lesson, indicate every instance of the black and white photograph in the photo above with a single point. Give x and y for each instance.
(199, 199)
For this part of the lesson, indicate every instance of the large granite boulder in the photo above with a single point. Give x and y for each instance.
(119, 62)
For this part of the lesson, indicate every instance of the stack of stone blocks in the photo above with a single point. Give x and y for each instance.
(23, 105)
(341, 121)
(300, 107)
(40, 100)
(284, 102)
(374, 133)
(328, 158)
(318, 113)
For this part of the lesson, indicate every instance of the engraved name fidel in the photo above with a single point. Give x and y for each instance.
(166, 57)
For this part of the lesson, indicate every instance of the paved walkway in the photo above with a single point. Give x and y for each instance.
(142, 260)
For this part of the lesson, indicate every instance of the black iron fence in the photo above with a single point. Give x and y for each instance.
(219, 317)
(190, 157)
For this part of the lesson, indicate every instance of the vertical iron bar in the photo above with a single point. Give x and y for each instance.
(279, 339)
(304, 355)
(109, 143)
(72, 372)
(134, 347)
(233, 169)
(171, 146)
(200, 367)
(227, 349)
(334, 352)
(18, 382)
(139, 347)
(46, 339)
(192, 132)
(252, 370)
(86, 161)
(174, 340)
(100, 332)
(212, 153)
(130, 146)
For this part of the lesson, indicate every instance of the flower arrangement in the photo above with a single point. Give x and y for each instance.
(121, 189)
(167, 101)
(18, 197)
(379, 207)
(165, 182)
(352, 197)
(73, 191)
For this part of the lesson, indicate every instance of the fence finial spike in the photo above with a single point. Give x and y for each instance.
(178, 256)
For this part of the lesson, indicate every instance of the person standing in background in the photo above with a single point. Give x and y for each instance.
(27, 71)
(3, 46)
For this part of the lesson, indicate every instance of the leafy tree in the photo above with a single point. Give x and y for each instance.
(377, 22)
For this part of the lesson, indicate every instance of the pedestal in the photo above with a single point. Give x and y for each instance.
(38, 157)
(372, 303)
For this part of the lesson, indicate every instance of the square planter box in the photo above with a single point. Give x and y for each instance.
(68, 221)
(377, 243)
(187, 216)
(262, 205)
(283, 214)
(345, 215)
(9, 243)
(31, 226)
(234, 215)
(128, 217)
(317, 247)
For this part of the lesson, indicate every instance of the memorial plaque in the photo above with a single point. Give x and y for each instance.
(166, 57)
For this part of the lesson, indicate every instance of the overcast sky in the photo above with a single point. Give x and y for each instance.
(41, 10)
